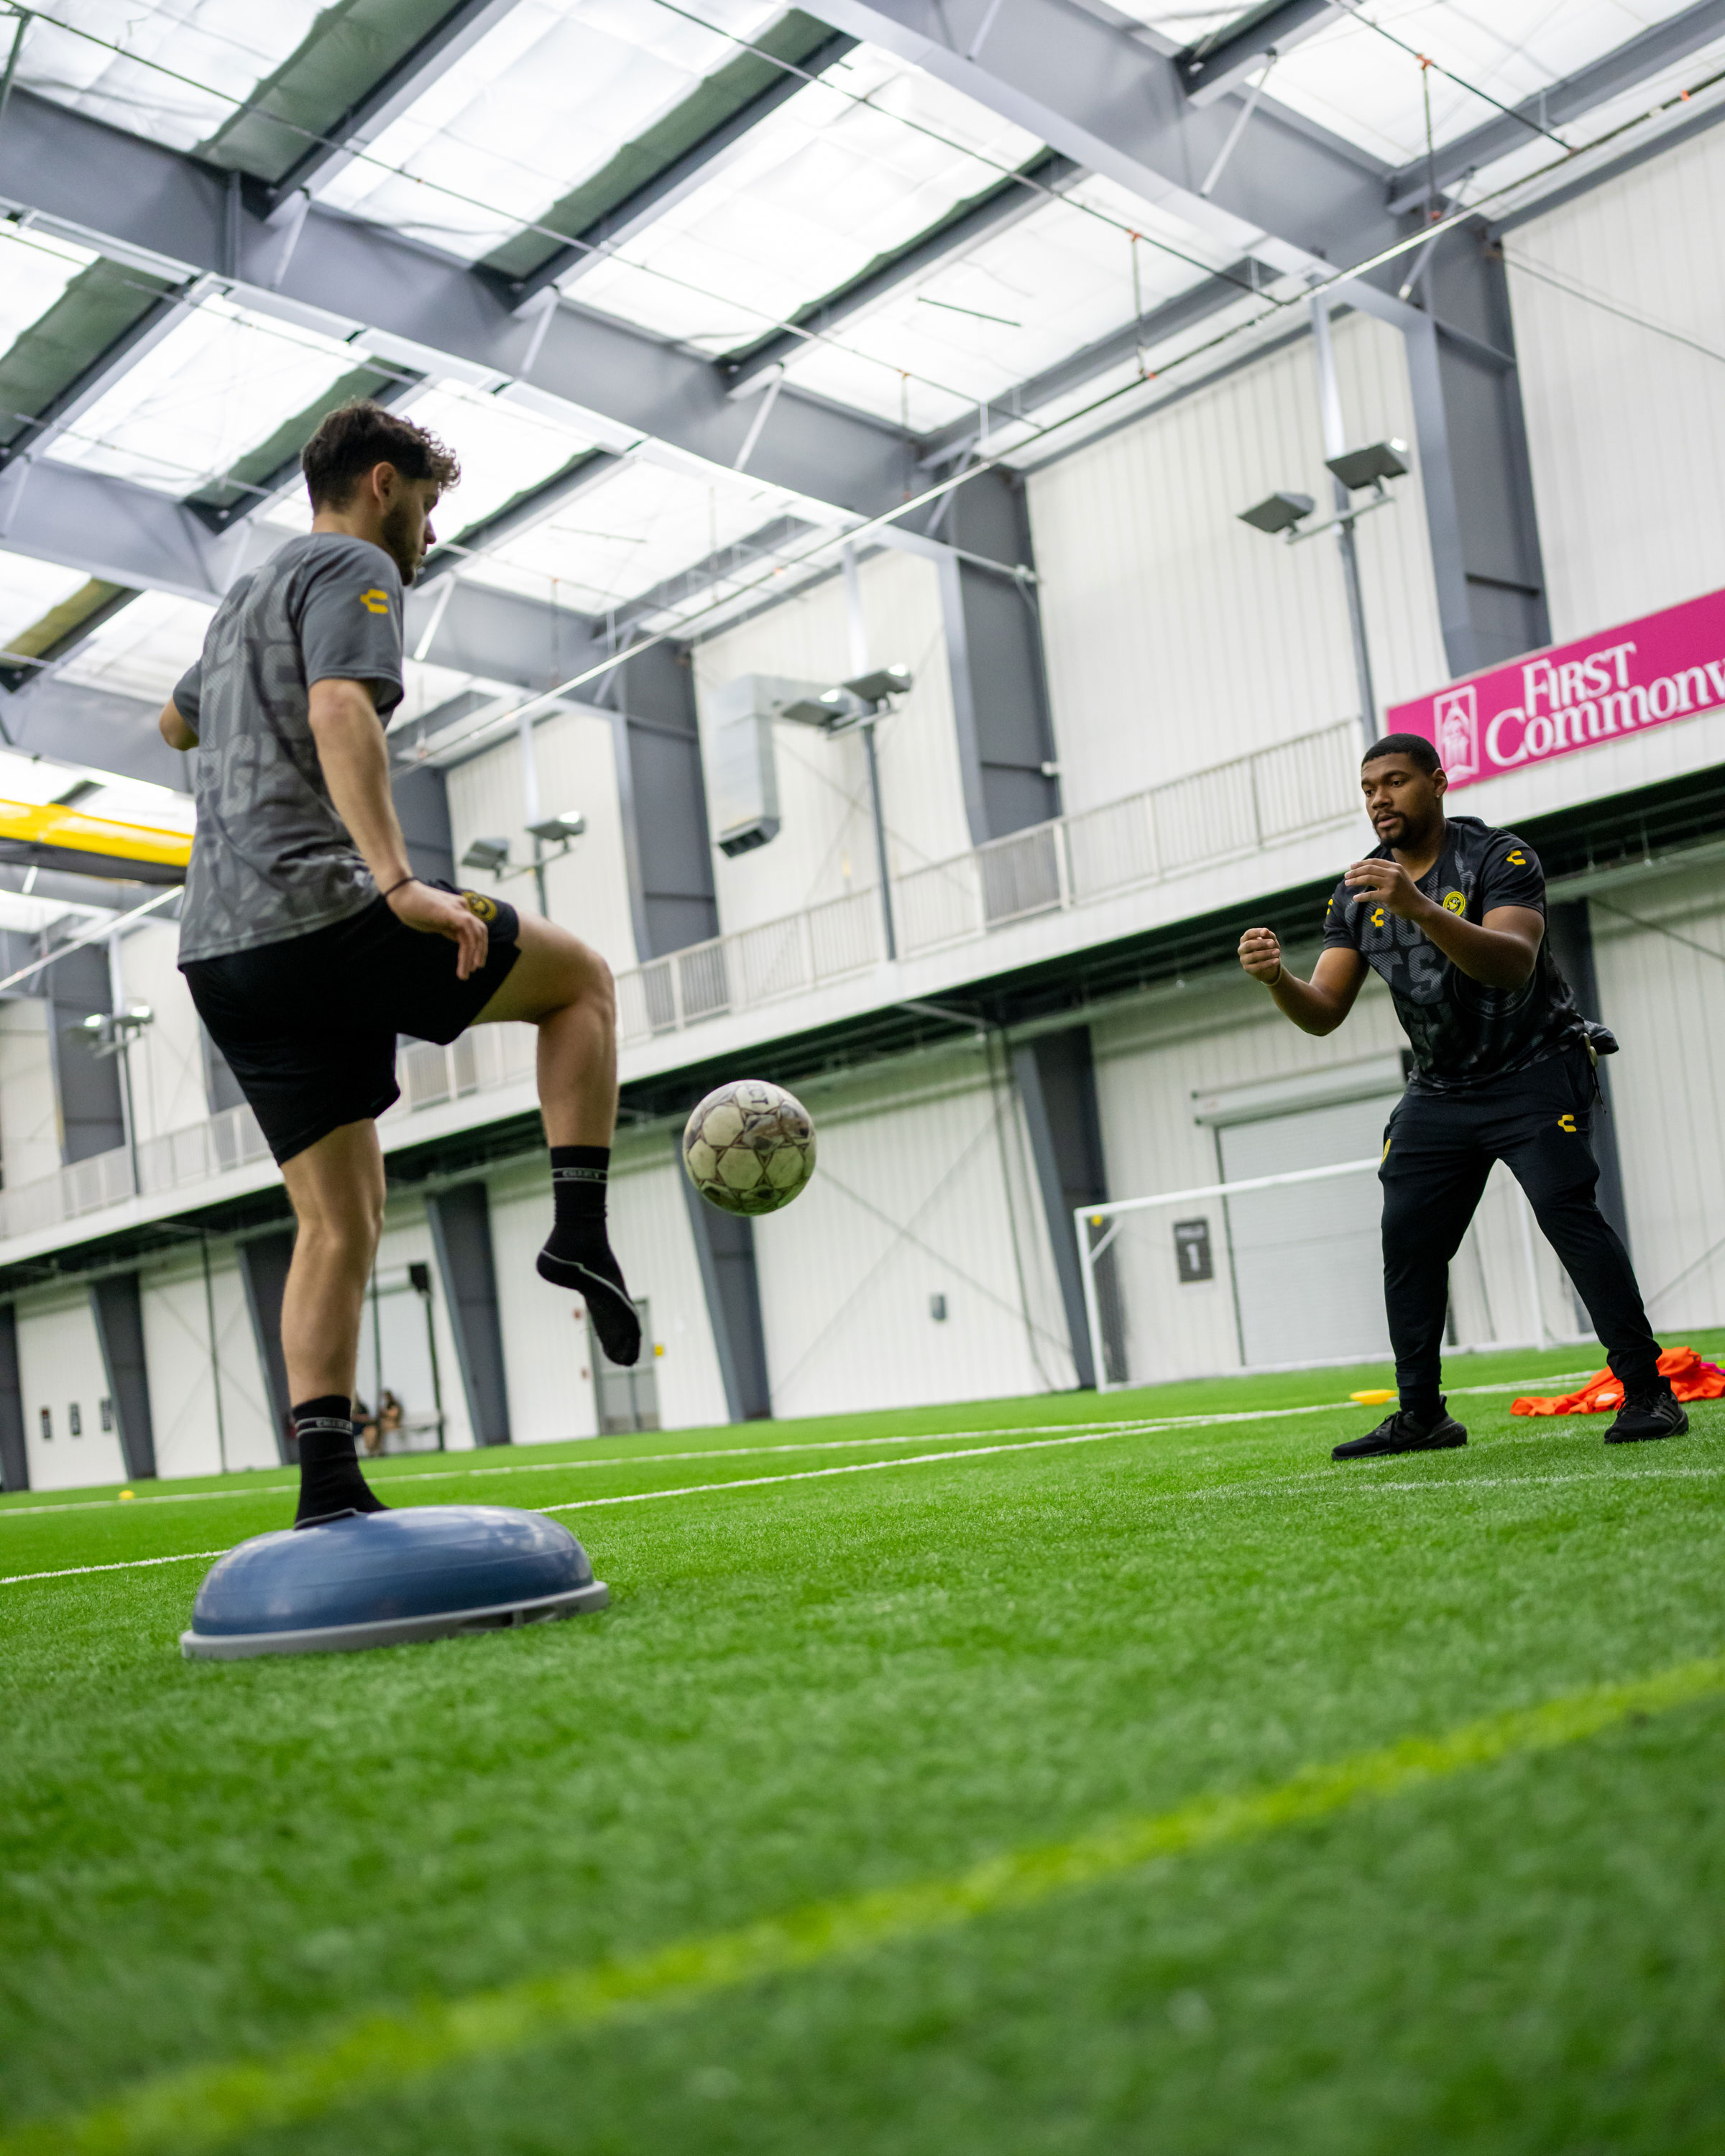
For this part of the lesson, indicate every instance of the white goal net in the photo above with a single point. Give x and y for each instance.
(1284, 1272)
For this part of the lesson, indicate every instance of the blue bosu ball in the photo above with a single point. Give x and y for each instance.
(380, 1579)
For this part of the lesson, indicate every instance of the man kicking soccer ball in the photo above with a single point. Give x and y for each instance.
(1452, 915)
(309, 944)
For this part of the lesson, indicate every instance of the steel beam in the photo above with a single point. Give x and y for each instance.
(138, 201)
(1223, 62)
(442, 45)
(68, 724)
(116, 1304)
(461, 1235)
(264, 1262)
(1090, 88)
(124, 534)
(993, 213)
(679, 179)
(725, 1250)
(1055, 1077)
(1618, 71)
(14, 1451)
(662, 794)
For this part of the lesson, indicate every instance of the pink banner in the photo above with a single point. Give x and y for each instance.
(1668, 665)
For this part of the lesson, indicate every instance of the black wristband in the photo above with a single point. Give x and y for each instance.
(402, 885)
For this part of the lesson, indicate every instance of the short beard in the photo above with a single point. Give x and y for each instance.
(401, 541)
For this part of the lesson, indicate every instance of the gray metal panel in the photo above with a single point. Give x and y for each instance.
(662, 792)
(264, 1263)
(461, 1234)
(59, 719)
(92, 1113)
(1056, 1083)
(1569, 930)
(131, 196)
(500, 637)
(725, 1249)
(14, 1453)
(422, 807)
(1225, 60)
(116, 1304)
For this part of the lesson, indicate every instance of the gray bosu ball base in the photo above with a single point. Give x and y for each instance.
(382, 1579)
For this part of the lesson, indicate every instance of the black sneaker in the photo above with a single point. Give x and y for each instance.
(1403, 1432)
(1648, 1414)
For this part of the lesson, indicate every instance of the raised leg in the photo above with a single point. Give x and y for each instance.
(565, 989)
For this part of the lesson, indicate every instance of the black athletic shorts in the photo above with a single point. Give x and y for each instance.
(309, 1026)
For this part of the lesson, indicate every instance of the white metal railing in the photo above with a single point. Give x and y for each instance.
(1231, 810)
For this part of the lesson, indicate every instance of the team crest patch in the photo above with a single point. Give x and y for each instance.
(375, 601)
(477, 903)
(1455, 901)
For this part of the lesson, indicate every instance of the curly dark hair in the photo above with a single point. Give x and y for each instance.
(353, 437)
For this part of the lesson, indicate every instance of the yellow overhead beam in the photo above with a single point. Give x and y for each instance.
(53, 824)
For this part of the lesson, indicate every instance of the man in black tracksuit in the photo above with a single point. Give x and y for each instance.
(1452, 913)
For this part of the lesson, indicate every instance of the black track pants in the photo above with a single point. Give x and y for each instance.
(1438, 1152)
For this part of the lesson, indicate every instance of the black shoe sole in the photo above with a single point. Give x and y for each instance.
(1678, 1429)
(1438, 1441)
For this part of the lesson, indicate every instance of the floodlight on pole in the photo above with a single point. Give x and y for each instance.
(490, 857)
(559, 830)
(1277, 512)
(1371, 466)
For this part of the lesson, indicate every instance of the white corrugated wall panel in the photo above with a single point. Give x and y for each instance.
(183, 1378)
(166, 1059)
(59, 1361)
(924, 1188)
(1179, 637)
(587, 889)
(550, 1394)
(1662, 997)
(29, 1104)
(1625, 423)
(826, 847)
(1150, 1062)
(655, 1246)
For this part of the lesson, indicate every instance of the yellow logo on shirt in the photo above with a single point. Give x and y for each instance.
(1454, 902)
(375, 601)
(1567, 1123)
(1378, 918)
(1517, 860)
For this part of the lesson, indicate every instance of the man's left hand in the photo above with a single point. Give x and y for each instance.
(1386, 884)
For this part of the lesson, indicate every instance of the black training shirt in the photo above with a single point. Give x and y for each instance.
(1462, 1032)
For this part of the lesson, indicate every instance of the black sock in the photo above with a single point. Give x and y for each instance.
(577, 1253)
(1425, 1408)
(330, 1480)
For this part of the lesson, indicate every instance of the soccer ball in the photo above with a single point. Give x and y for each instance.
(749, 1147)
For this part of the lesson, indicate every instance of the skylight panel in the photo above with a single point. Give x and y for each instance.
(34, 271)
(545, 99)
(219, 384)
(28, 588)
(219, 49)
(625, 534)
(814, 194)
(970, 327)
(504, 448)
(1355, 82)
(144, 649)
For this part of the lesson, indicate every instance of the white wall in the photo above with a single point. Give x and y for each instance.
(1179, 637)
(183, 1377)
(167, 1075)
(587, 889)
(1151, 1060)
(922, 1187)
(826, 847)
(1663, 999)
(1625, 425)
(29, 1103)
(61, 1361)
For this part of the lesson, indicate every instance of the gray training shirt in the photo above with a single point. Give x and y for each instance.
(272, 859)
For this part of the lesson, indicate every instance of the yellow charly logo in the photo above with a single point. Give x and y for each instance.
(1517, 860)
(1454, 902)
(477, 903)
(1378, 918)
(1567, 1123)
(375, 601)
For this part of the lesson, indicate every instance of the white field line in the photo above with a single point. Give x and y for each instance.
(754, 1451)
(1345, 1483)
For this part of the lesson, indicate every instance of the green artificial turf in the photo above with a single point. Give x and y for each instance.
(808, 1689)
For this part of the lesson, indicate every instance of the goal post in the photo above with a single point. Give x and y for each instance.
(1284, 1272)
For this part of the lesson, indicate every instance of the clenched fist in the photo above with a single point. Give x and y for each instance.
(1260, 954)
